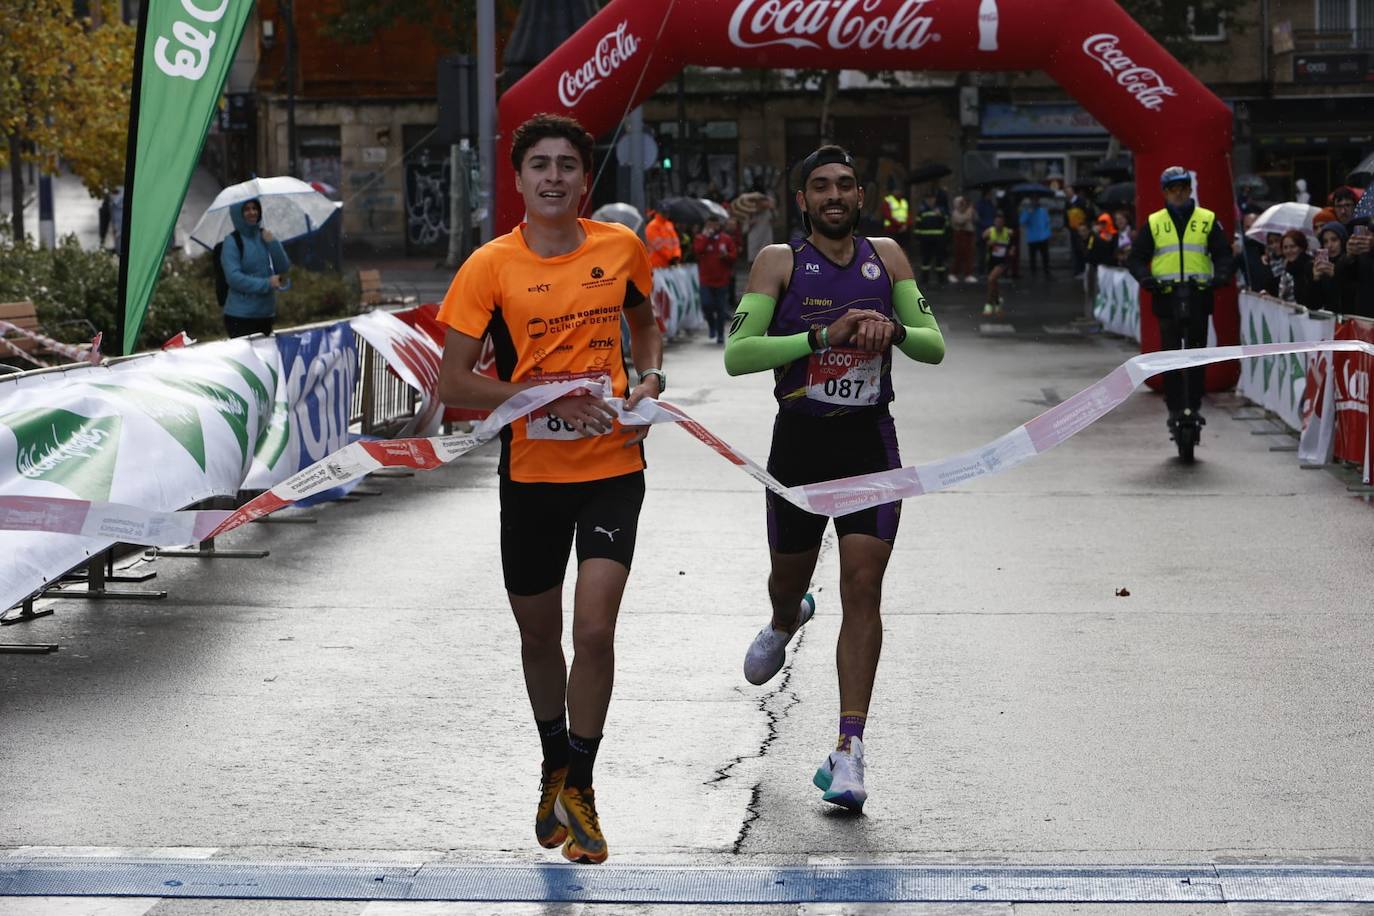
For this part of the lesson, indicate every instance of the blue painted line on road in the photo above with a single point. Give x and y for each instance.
(679, 884)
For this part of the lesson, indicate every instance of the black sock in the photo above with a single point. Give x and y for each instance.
(553, 735)
(582, 756)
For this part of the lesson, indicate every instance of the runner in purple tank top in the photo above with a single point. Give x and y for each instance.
(824, 314)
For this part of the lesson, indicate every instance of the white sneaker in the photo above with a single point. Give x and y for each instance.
(952, 279)
(769, 649)
(841, 777)
(970, 279)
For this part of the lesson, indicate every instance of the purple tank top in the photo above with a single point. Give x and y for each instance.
(841, 380)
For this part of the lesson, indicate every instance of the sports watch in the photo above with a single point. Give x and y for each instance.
(662, 378)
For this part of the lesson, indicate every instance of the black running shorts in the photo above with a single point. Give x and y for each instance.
(808, 449)
(539, 522)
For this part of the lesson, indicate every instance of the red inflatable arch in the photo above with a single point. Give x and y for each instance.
(1091, 47)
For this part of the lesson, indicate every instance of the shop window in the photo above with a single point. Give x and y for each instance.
(1206, 23)
(1354, 18)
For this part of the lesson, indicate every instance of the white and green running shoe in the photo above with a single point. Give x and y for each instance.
(841, 777)
(769, 649)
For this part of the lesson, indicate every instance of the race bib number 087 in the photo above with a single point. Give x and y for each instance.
(548, 426)
(843, 376)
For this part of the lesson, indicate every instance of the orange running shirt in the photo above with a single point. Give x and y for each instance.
(552, 319)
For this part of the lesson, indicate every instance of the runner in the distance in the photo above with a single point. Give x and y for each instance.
(551, 293)
(824, 313)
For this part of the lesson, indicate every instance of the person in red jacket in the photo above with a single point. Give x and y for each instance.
(716, 253)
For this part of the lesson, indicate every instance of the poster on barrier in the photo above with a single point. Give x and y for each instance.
(1350, 377)
(1277, 383)
(316, 370)
(425, 319)
(1318, 411)
(196, 416)
(1117, 303)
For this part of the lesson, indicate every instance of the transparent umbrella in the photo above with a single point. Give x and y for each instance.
(622, 213)
(1282, 217)
(291, 208)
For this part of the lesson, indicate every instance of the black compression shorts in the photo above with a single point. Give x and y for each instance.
(540, 520)
(807, 449)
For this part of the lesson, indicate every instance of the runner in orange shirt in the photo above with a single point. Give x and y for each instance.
(551, 294)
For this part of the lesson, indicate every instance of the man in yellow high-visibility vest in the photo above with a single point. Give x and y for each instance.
(896, 214)
(1185, 245)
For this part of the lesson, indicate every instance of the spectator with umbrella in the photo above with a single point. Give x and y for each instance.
(254, 265)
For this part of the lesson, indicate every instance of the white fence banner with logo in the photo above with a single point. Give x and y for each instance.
(314, 372)
(161, 432)
(1278, 383)
(1117, 303)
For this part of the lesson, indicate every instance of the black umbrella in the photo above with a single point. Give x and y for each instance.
(1363, 174)
(929, 171)
(1030, 189)
(684, 211)
(1121, 194)
(994, 178)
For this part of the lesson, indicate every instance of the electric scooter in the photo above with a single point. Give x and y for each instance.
(1187, 431)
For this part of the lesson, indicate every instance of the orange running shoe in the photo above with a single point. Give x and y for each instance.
(576, 810)
(547, 829)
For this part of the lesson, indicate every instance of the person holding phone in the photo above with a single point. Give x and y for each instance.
(1356, 267)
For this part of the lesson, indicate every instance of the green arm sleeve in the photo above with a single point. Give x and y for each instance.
(924, 342)
(749, 348)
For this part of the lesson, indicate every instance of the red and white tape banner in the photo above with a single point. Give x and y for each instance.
(134, 525)
(88, 354)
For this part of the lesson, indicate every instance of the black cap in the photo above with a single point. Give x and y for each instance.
(826, 155)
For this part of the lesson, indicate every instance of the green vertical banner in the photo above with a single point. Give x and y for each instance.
(185, 48)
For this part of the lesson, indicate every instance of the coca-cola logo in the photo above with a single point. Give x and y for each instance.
(612, 50)
(1354, 385)
(1145, 84)
(835, 24)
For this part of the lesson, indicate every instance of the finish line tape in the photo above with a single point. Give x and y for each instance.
(135, 525)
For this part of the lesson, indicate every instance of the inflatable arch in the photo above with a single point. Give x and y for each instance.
(1090, 47)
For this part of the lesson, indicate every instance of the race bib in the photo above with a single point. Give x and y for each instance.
(999, 251)
(547, 426)
(543, 425)
(844, 376)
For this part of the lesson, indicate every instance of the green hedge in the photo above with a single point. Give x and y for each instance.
(75, 290)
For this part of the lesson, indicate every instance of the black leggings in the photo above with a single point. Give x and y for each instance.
(1042, 250)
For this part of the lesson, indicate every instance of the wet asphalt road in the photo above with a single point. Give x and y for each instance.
(357, 696)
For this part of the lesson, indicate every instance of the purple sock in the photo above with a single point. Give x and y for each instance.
(851, 726)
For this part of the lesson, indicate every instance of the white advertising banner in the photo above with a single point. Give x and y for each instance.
(314, 373)
(1278, 383)
(1117, 303)
(161, 433)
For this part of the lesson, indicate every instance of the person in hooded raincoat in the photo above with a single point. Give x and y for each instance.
(255, 268)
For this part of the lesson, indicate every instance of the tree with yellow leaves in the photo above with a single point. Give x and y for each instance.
(64, 95)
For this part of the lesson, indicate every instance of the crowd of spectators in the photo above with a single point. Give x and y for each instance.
(1336, 273)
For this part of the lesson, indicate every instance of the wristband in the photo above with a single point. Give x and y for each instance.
(825, 337)
(813, 340)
